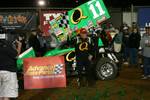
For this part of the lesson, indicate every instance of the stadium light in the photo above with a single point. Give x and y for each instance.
(41, 2)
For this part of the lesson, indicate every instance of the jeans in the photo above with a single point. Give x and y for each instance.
(80, 66)
(146, 66)
(126, 53)
(133, 56)
(89, 71)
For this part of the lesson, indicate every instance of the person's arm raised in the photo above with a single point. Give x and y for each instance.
(19, 46)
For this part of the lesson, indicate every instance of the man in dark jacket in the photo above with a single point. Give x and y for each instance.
(35, 43)
(134, 43)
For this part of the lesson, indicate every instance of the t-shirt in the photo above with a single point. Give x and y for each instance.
(7, 57)
(145, 44)
(118, 38)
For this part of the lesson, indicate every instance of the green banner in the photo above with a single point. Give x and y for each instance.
(27, 54)
(57, 52)
(93, 12)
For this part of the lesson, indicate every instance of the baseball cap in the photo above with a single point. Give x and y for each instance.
(125, 28)
(83, 31)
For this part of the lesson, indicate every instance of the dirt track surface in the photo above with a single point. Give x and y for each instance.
(127, 86)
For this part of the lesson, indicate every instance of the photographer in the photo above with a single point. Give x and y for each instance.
(8, 77)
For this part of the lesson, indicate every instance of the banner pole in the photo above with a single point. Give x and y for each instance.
(132, 13)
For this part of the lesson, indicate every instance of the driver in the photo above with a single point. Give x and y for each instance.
(84, 55)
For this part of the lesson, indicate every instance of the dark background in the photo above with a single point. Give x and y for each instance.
(71, 3)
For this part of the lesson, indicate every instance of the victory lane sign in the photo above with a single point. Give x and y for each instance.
(44, 72)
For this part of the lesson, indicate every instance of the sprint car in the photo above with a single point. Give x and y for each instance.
(106, 63)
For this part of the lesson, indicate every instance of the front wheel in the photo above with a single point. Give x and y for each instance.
(106, 69)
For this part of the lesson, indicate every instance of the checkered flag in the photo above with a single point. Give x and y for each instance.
(64, 22)
(58, 69)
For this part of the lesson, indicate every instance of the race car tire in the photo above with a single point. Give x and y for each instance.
(106, 69)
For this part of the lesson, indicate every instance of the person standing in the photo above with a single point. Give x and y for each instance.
(84, 55)
(118, 41)
(34, 42)
(145, 45)
(126, 43)
(134, 43)
(117, 44)
(8, 77)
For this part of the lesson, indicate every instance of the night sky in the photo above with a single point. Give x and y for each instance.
(70, 3)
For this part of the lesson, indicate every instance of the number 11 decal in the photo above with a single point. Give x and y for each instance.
(94, 8)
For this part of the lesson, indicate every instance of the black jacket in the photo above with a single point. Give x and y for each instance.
(34, 42)
(126, 39)
(134, 40)
(82, 56)
(7, 57)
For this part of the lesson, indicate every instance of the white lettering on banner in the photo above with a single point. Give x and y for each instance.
(94, 7)
(52, 76)
(2, 36)
(47, 15)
